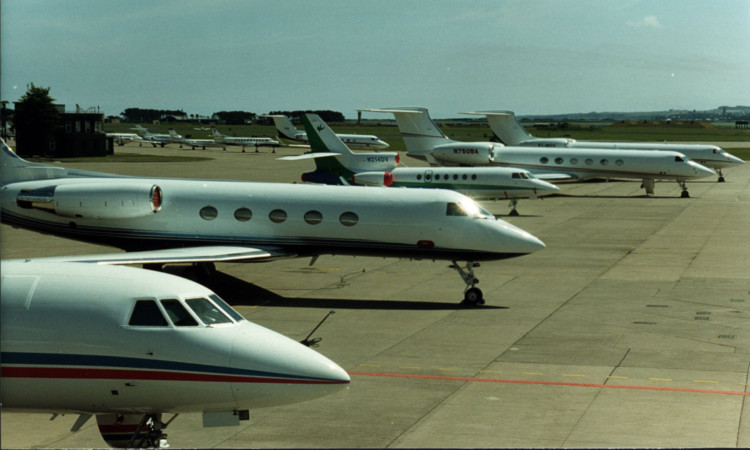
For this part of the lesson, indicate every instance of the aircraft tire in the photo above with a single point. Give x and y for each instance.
(473, 296)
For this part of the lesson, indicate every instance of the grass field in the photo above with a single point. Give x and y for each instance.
(480, 131)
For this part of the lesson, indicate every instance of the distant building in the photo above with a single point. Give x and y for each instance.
(78, 133)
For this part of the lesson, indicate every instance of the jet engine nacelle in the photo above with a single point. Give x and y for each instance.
(469, 154)
(95, 201)
(373, 179)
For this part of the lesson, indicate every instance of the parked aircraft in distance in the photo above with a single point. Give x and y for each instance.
(244, 141)
(130, 345)
(192, 143)
(476, 182)
(509, 131)
(425, 140)
(202, 221)
(154, 139)
(123, 138)
(288, 131)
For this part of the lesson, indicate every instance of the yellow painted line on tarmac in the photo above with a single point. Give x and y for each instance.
(706, 381)
(660, 379)
(613, 377)
(409, 367)
(369, 365)
(490, 371)
(574, 375)
(532, 373)
(448, 369)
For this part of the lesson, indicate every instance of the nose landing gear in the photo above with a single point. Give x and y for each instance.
(473, 296)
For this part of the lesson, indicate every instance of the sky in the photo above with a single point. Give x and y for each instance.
(450, 56)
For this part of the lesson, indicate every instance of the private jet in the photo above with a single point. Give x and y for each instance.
(372, 169)
(288, 131)
(167, 220)
(509, 131)
(154, 139)
(244, 141)
(131, 346)
(192, 143)
(424, 140)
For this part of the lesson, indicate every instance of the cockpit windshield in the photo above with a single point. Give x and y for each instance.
(207, 312)
(226, 308)
(468, 208)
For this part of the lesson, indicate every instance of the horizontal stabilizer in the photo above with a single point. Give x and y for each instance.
(309, 156)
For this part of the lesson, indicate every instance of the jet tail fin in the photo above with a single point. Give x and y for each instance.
(505, 126)
(285, 128)
(418, 130)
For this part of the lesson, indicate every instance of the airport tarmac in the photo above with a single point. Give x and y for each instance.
(631, 329)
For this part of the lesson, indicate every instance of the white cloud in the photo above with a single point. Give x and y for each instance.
(646, 22)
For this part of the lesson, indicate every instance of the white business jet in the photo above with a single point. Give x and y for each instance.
(425, 140)
(202, 221)
(131, 345)
(192, 143)
(288, 131)
(244, 141)
(361, 169)
(123, 138)
(509, 130)
(154, 139)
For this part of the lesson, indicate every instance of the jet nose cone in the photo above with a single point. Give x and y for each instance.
(734, 160)
(704, 171)
(280, 370)
(521, 241)
(546, 187)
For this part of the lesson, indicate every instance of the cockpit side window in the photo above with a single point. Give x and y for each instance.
(678, 159)
(454, 210)
(207, 311)
(468, 208)
(226, 308)
(177, 313)
(146, 313)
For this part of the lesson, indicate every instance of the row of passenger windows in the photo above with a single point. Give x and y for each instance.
(147, 313)
(455, 176)
(312, 217)
(574, 161)
(446, 177)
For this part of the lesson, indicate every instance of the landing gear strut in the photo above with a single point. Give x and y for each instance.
(473, 296)
(513, 211)
(152, 434)
(721, 176)
(685, 193)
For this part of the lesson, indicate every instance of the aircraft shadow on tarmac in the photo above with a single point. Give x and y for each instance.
(238, 292)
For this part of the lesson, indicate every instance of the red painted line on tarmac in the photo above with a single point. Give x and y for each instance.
(549, 383)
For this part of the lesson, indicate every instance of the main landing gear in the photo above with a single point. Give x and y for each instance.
(473, 296)
(152, 434)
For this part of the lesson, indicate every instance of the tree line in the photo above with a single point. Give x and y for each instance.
(143, 115)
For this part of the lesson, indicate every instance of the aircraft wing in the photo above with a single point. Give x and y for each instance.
(555, 176)
(309, 156)
(183, 255)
